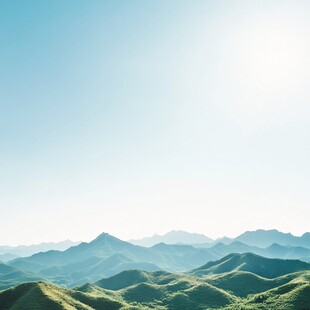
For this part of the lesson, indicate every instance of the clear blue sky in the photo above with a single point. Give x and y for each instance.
(139, 117)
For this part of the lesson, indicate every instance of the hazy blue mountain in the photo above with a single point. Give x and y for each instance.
(11, 276)
(106, 256)
(258, 238)
(173, 237)
(173, 258)
(224, 240)
(221, 249)
(27, 250)
(7, 257)
(288, 252)
(273, 251)
(93, 269)
(264, 238)
(103, 246)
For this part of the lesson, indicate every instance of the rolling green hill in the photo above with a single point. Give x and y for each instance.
(291, 296)
(232, 290)
(262, 266)
(243, 283)
(164, 289)
(136, 289)
(41, 295)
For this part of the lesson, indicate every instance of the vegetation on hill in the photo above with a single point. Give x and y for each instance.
(262, 266)
(136, 289)
(41, 295)
(237, 281)
(243, 283)
(106, 256)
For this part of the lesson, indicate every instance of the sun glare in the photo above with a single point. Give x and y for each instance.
(269, 63)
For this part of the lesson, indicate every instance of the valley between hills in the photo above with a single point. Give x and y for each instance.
(199, 273)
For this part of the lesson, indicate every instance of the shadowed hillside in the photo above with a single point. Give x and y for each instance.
(265, 267)
(243, 283)
(163, 289)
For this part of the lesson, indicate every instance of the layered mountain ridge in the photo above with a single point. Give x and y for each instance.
(219, 284)
(107, 255)
(260, 238)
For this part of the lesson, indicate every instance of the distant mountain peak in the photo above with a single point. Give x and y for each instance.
(107, 243)
(173, 237)
(28, 250)
(264, 238)
(106, 238)
(160, 245)
(102, 236)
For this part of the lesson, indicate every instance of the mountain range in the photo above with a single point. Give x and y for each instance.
(9, 252)
(109, 273)
(173, 237)
(265, 238)
(259, 238)
(245, 281)
(107, 255)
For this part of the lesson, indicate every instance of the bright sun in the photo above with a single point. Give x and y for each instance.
(269, 62)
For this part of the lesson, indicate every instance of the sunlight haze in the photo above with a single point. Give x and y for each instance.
(141, 117)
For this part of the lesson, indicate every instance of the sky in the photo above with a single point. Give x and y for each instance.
(140, 117)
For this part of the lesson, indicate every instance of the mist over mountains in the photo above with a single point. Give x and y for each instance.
(236, 281)
(9, 252)
(259, 238)
(187, 271)
(173, 237)
(107, 255)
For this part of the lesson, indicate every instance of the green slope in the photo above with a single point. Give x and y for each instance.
(125, 279)
(166, 291)
(262, 266)
(291, 296)
(41, 295)
(243, 283)
(163, 289)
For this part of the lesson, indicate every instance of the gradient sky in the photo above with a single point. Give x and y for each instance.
(139, 117)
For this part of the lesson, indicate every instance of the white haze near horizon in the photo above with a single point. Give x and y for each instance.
(140, 117)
